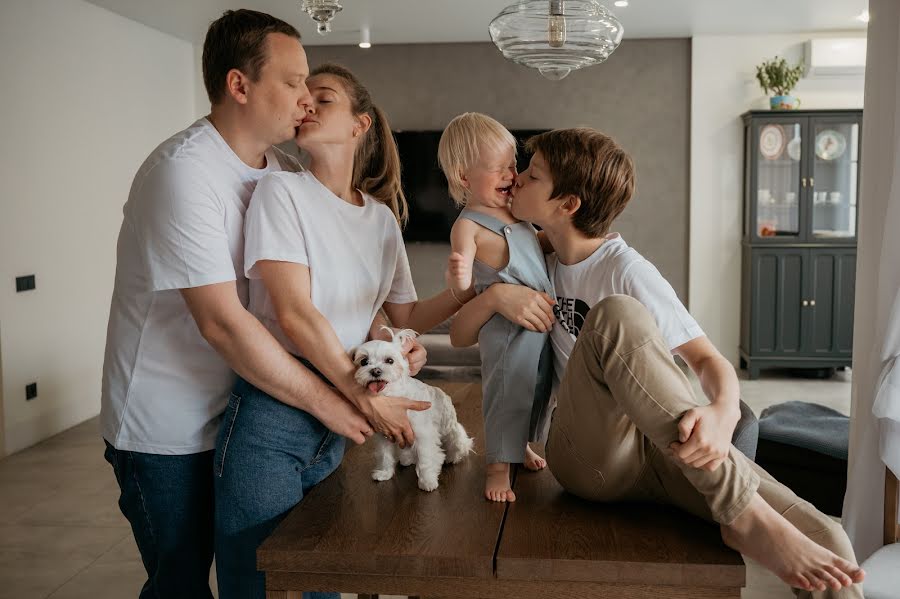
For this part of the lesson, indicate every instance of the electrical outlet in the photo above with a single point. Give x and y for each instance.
(26, 283)
(30, 391)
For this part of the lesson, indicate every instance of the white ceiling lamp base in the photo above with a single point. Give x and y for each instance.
(322, 12)
(556, 37)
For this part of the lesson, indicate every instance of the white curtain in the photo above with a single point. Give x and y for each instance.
(875, 412)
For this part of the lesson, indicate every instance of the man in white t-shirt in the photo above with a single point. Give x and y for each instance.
(627, 425)
(178, 325)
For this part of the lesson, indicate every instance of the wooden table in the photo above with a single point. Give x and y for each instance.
(353, 535)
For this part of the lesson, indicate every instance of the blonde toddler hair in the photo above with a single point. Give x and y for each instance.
(460, 146)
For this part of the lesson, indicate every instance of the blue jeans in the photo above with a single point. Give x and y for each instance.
(268, 456)
(168, 499)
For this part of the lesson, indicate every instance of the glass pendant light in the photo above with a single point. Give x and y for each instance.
(556, 37)
(322, 12)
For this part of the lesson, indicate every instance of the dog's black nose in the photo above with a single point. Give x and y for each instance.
(376, 372)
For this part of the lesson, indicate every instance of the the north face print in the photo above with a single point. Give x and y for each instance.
(570, 313)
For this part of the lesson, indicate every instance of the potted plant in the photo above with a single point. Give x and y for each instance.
(776, 76)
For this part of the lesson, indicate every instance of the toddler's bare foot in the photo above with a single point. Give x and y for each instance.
(496, 485)
(533, 461)
(766, 536)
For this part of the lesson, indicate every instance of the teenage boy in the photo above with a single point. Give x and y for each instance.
(627, 426)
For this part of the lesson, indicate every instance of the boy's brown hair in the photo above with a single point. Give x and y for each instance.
(237, 40)
(586, 163)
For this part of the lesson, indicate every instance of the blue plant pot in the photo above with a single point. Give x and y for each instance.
(784, 102)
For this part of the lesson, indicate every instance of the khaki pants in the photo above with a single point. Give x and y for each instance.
(618, 408)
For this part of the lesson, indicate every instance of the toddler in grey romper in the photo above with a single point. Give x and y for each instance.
(516, 364)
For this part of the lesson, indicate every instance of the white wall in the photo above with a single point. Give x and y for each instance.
(88, 94)
(723, 86)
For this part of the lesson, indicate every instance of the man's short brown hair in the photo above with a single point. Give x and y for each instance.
(237, 40)
(586, 163)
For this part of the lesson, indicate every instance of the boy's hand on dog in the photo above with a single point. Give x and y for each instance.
(705, 437)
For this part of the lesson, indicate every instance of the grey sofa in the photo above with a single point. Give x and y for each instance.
(447, 362)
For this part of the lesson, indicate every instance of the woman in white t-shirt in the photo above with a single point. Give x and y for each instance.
(323, 252)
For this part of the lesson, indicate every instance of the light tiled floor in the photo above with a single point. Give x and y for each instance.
(62, 535)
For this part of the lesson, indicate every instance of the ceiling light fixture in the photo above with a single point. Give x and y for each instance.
(621, 3)
(364, 41)
(322, 12)
(556, 37)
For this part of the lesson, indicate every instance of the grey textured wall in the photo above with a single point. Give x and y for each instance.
(640, 96)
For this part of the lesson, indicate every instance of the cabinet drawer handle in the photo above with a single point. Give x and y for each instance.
(812, 182)
(804, 181)
(812, 302)
(805, 303)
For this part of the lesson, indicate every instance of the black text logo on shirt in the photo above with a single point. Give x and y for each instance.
(570, 313)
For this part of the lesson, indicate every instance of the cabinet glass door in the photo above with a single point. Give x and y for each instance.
(778, 184)
(834, 179)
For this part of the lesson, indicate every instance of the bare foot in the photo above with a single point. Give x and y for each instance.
(533, 461)
(496, 485)
(767, 537)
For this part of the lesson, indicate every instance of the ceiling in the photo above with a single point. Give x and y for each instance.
(438, 21)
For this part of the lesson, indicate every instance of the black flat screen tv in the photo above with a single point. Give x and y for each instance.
(431, 210)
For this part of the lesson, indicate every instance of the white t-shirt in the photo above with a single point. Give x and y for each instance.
(164, 386)
(613, 269)
(355, 254)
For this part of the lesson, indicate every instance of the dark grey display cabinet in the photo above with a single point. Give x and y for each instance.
(801, 200)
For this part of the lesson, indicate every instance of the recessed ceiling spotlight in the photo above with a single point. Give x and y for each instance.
(364, 41)
(621, 3)
(863, 16)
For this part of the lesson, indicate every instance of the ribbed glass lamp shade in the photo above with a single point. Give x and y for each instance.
(556, 37)
(321, 11)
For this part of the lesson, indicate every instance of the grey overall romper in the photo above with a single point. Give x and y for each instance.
(516, 364)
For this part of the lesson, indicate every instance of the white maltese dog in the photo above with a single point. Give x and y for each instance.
(440, 438)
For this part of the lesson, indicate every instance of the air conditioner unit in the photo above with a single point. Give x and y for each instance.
(835, 57)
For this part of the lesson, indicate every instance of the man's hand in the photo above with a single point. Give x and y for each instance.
(342, 417)
(388, 416)
(705, 436)
(415, 354)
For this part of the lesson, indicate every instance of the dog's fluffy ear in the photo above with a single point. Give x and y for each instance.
(352, 353)
(389, 330)
(402, 335)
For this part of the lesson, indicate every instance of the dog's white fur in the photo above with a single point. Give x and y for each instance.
(440, 438)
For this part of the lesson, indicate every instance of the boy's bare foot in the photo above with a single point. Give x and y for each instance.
(496, 485)
(766, 536)
(533, 461)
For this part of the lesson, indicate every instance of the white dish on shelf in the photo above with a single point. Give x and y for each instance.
(771, 141)
(830, 144)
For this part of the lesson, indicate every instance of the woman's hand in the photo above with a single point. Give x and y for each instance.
(524, 306)
(415, 355)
